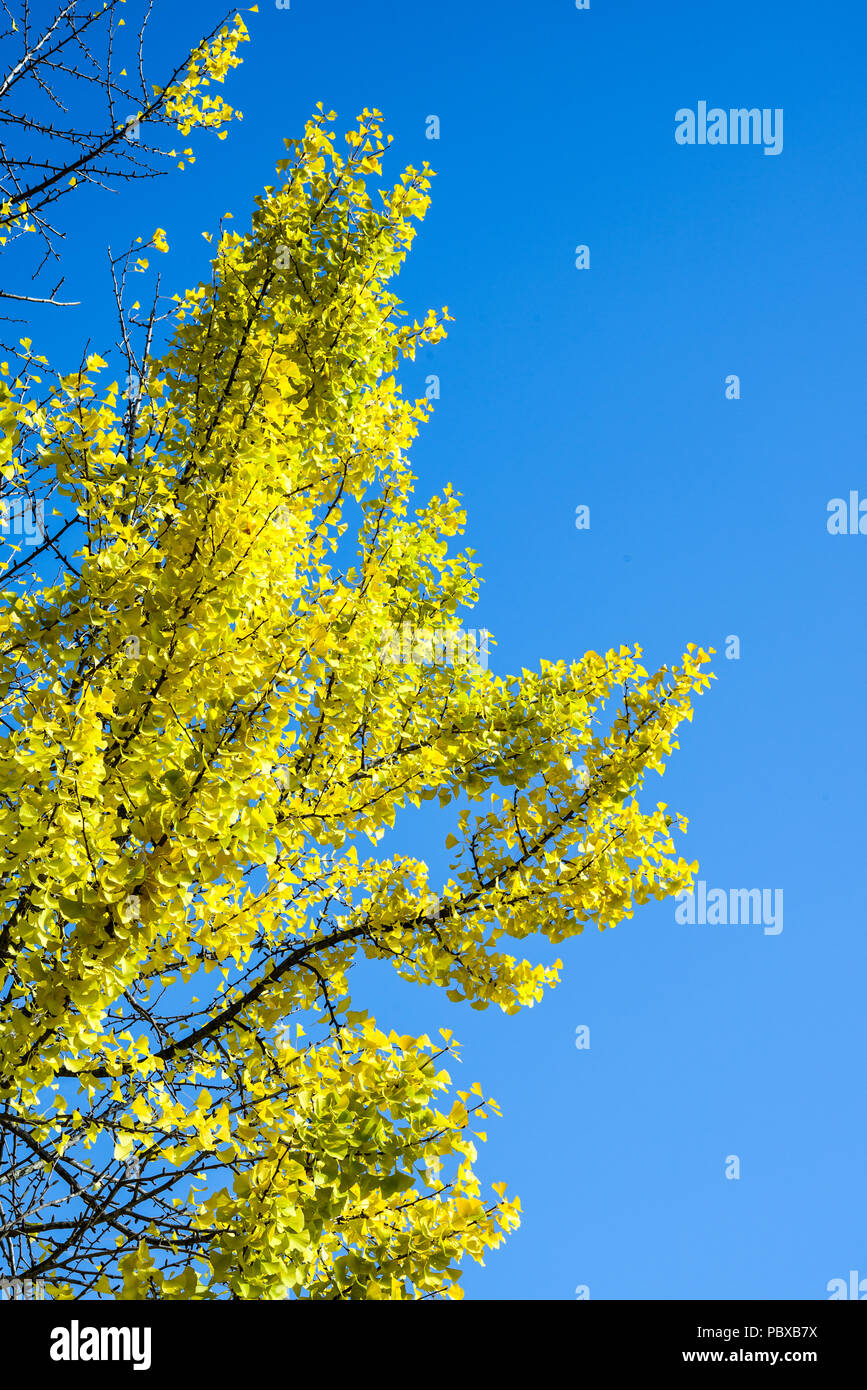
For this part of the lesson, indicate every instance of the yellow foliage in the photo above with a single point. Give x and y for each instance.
(202, 736)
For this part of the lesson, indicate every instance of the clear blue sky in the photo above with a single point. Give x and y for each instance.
(708, 518)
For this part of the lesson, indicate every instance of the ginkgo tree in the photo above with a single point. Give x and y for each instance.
(205, 740)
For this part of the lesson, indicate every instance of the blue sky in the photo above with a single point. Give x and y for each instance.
(606, 387)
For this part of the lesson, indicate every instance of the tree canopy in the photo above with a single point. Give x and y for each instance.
(205, 740)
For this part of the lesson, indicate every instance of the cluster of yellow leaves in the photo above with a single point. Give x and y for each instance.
(13, 219)
(201, 720)
(186, 102)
